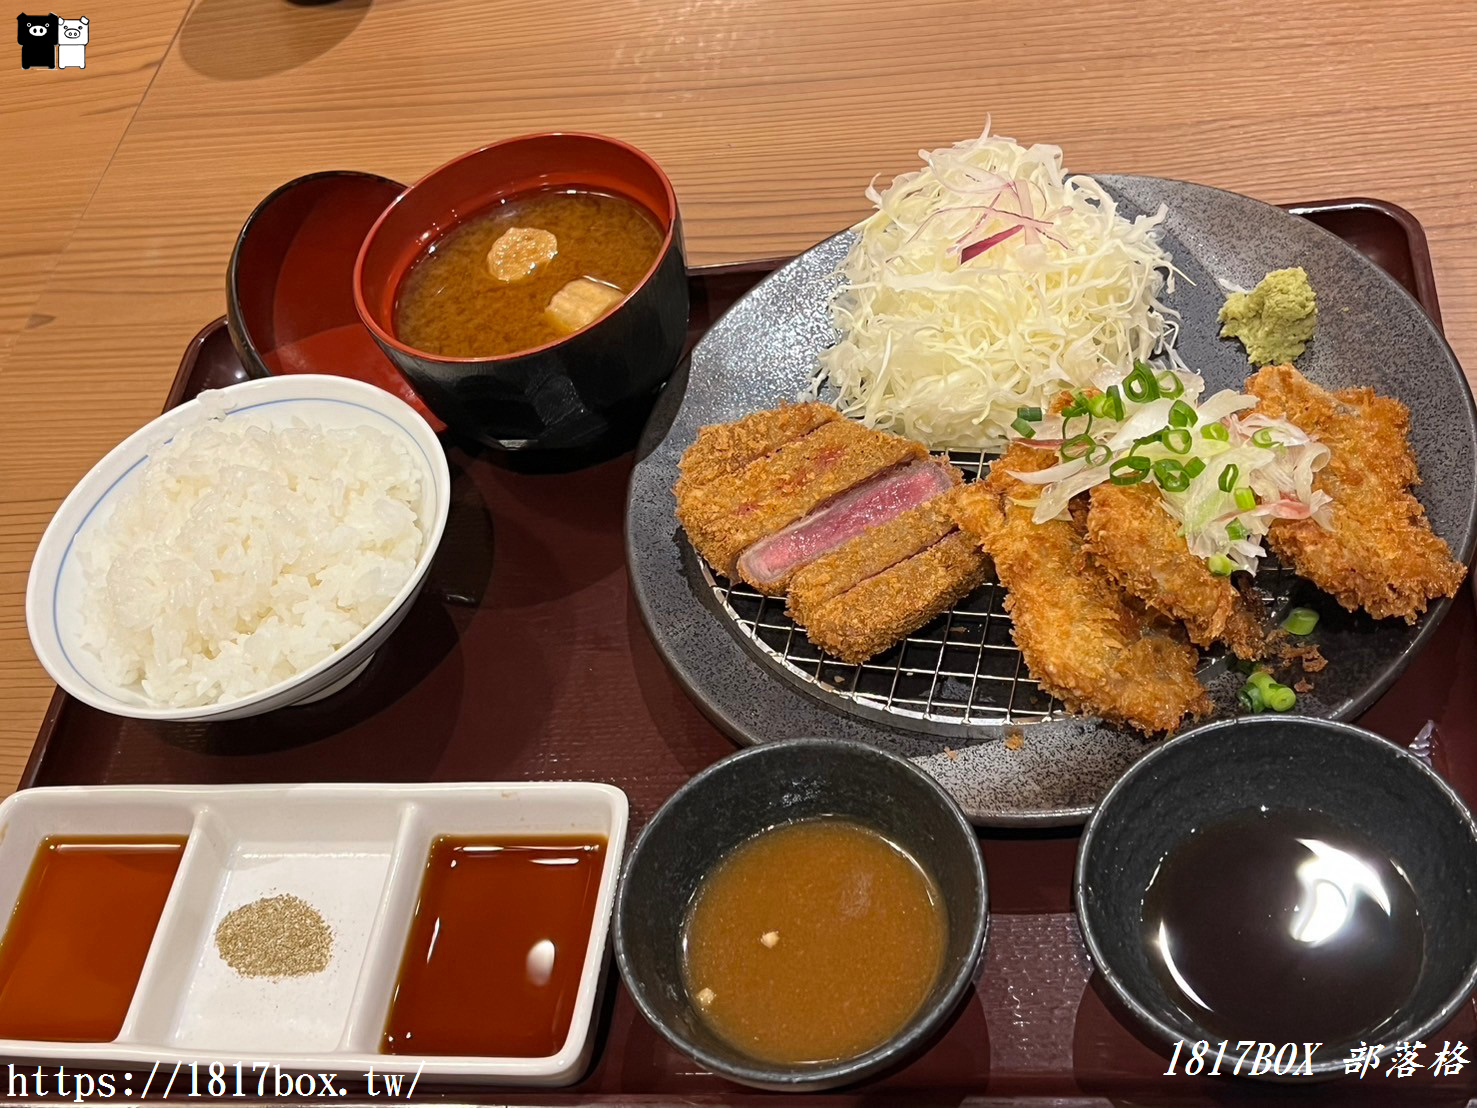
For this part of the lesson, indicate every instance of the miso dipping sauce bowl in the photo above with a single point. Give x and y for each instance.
(1367, 784)
(569, 393)
(764, 787)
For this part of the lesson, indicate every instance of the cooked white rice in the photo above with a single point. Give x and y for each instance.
(241, 556)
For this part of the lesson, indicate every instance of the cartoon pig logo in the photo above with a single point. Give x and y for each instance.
(37, 37)
(71, 51)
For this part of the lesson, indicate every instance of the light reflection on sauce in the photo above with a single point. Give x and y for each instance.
(1284, 927)
(493, 959)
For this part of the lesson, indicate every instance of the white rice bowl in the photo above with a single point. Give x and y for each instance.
(247, 550)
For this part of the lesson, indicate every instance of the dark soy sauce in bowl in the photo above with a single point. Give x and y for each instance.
(1282, 926)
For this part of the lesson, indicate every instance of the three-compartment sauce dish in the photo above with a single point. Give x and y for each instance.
(454, 930)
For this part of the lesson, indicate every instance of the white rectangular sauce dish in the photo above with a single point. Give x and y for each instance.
(358, 855)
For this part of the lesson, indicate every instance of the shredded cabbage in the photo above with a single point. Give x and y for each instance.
(988, 281)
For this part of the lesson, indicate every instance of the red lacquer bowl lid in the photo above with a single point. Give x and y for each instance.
(289, 286)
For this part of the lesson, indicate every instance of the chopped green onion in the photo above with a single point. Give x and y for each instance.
(1169, 384)
(1078, 446)
(1216, 432)
(1070, 413)
(1128, 471)
(1140, 386)
(1113, 403)
(1182, 415)
(1194, 468)
(1300, 621)
(1245, 499)
(1022, 428)
(1097, 405)
(1099, 454)
(1280, 698)
(1145, 441)
(1236, 530)
(1220, 565)
(1030, 415)
(1262, 679)
(1228, 477)
(1263, 691)
(1263, 437)
(1175, 439)
(1077, 407)
(1171, 475)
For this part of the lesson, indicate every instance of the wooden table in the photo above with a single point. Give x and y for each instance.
(126, 183)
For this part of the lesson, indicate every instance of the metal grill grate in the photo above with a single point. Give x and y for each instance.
(961, 669)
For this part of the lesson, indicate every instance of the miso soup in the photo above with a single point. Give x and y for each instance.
(529, 271)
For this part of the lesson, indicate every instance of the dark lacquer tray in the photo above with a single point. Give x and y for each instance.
(525, 658)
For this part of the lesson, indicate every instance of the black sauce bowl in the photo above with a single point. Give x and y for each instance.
(763, 787)
(1362, 782)
(581, 389)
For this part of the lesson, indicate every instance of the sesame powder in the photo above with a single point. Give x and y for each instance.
(276, 936)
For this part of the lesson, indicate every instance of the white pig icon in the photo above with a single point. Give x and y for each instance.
(71, 51)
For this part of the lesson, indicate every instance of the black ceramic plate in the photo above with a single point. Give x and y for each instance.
(952, 693)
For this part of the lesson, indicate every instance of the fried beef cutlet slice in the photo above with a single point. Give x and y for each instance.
(727, 447)
(878, 611)
(884, 547)
(725, 516)
(1080, 636)
(769, 564)
(1138, 544)
(1380, 553)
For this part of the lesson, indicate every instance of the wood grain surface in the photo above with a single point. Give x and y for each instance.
(59, 129)
(769, 115)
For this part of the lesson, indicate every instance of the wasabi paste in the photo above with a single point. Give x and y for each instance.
(1275, 320)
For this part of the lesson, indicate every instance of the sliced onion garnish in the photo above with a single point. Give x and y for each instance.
(1286, 508)
(1143, 419)
(1049, 476)
(1280, 476)
(975, 249)
(1224, 403)
(1054, 500)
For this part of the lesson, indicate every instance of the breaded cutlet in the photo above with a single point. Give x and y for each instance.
(879, 611)
(723, 448)
(726, 515)
(1139, 545)
(1380, 553)
(881, 548)
(1081, 638)
(772, 562)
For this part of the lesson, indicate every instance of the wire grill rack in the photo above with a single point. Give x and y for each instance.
(963, 669)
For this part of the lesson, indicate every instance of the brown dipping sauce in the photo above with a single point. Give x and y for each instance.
(813, 942)
(79, 934)
(496, 947)
(451, 304)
